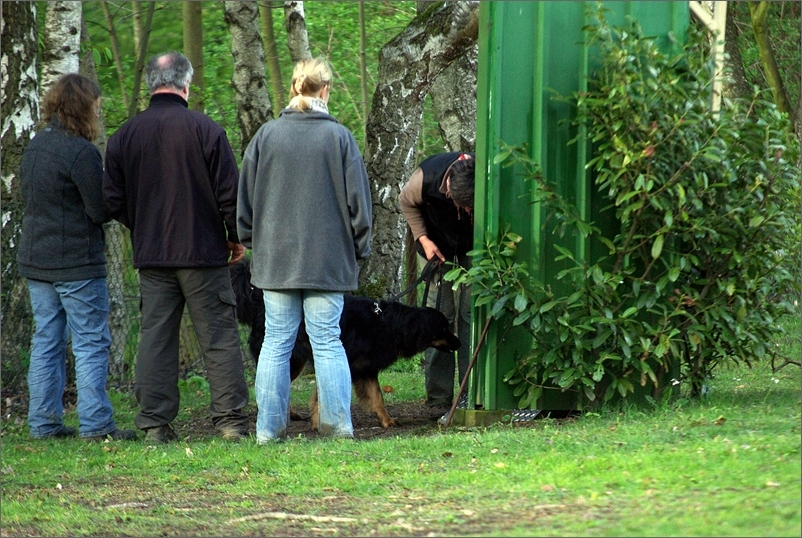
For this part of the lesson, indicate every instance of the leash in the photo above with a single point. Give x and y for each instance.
(424, 275)
(430, 266)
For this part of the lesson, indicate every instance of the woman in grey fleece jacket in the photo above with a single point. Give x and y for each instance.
(304, 209)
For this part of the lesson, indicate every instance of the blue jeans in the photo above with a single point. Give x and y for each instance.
(321, 312)
(60, 308)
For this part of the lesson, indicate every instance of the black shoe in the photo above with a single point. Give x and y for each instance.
(116, 435)
(160, 434)
(65, 431)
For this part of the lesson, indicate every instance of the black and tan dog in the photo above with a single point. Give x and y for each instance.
(375, 334)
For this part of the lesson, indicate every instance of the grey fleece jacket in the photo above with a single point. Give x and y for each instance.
(304, 204)
(62, 224)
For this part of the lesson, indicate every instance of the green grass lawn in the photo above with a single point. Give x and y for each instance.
(728, 465)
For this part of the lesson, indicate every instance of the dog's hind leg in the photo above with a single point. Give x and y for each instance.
(370, 399)
(313, 408)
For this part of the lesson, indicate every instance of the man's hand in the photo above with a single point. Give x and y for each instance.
(236, 252)
(430, 248)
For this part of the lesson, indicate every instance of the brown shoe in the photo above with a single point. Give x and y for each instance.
(116, 435)
(160, 434)
(231, 433)
(438, 411)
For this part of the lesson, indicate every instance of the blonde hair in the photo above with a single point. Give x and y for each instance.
(308, 78)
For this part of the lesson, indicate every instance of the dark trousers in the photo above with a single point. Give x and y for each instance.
(208, 296)
(439, 366)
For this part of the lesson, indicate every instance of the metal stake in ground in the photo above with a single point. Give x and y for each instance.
(467, 372)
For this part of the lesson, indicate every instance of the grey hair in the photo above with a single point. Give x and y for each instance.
(171, 69)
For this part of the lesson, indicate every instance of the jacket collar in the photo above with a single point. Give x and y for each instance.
(167, 98)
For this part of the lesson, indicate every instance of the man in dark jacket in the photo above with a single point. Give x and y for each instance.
(171, 178)
(437, 203)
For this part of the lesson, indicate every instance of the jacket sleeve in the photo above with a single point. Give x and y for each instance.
(114, 185)
(411, 200)
(87, 174)
(224, 174)
(247, 179)
(360, 203)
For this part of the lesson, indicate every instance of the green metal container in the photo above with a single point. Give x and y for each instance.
(528, 51)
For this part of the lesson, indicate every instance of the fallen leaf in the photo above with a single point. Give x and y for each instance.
(546, 487)
(387, 389)
(447, 454)
(772, 484)
(501, 464)
(719, 421)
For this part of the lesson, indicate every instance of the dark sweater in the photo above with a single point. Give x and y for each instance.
(62, 234)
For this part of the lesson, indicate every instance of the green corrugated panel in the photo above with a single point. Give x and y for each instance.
(527, 52)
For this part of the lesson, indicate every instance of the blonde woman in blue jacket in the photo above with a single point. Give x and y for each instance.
(304, 208)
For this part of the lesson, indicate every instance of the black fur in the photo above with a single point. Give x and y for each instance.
(375, 334)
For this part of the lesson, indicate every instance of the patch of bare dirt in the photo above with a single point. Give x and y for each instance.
(411, 418)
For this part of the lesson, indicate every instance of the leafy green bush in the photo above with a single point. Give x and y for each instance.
(703, 259)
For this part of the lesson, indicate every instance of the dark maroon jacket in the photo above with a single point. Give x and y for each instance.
(171, 178)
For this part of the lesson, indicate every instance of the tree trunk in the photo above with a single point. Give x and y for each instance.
(120, 318)
(62, 41)
(363, 64)
(115, 51)
(271, 54)
(193, 49)
(454, 97)
(297, 38)
(407, 67)
(138, 19)
(142, 51)
(19, 113)
(248, 79)
(759, 12)
(738, 85)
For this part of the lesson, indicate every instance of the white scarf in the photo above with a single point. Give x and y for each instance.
(318, 105)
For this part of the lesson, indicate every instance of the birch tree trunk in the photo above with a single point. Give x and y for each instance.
(248, 79)
(407, 67)
(62, 41)
(297, 38)
(271, 54)
(193, 49)
(454, 98)
(19, 113)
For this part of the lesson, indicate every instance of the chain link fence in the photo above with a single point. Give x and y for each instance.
(124, 320)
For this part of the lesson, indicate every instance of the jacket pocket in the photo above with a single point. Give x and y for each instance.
(228, 297)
